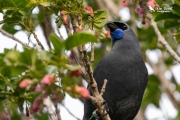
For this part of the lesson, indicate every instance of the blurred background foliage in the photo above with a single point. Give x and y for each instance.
(76, 16)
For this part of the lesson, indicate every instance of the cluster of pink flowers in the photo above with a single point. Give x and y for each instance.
(142, 10)
(45, 81)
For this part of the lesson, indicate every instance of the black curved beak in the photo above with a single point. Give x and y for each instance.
(112, 27)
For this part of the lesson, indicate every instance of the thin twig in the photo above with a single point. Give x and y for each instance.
(112, 7)
(21, 109)
(48, 103)
(38, 41)
(60, 35)
(57, 112)
(70, 112)
(14, 38)
(103, 87)
(92, 52)
(162, 40)
(97, 98)
(159, 70)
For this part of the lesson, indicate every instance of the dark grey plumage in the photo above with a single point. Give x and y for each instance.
(126, 73)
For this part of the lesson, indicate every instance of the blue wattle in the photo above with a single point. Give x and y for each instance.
(118, 33)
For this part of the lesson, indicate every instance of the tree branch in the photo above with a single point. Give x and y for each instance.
(112, 7)
(162, 40)
(159, 70)
(97, 98)
(48, 103)
(14, 38)
(92, 53)
(57, 112)
(103, 87)
(38, 41)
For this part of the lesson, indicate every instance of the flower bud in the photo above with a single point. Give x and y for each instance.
(84, 92)
(47, 79)
(89, 10)
(35, 106)
(24, 83)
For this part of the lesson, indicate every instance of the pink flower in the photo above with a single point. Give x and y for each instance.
(89, 10)
(140, 11)
(82, 91)
(71, 58)
(125, 3)
(63, 12)
(47, 79)
(65, 19)
(24, 83)
(40, 88)
(107, 34)
(35, 106)
(3, 115)
(151, 3)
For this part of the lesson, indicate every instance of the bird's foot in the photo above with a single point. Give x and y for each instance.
(106, 108)
(96, 115)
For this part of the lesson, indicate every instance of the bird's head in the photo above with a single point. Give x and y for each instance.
(120, 31)
(117, 29)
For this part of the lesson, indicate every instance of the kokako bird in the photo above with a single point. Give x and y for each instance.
(127, 75)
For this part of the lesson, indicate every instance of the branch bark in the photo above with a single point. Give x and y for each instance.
(110, 6)
(97, 98)
(14, 38)
(57, 112)
(47, 27)
(162, 40)
(38, 41)
(48, 103)
(159, 70)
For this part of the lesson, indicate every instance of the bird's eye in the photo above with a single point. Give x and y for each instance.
(124, 27)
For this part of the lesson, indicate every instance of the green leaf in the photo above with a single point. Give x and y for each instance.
(42, 116)
(168, 15)
(152, 90)
(80, 38)
(176, 8)
(12, 57)
(100, 18)
(45, 4)
(57, 43)
(9, 29)
(51, 69)
(175, 34)
(44, 55)
(171, 24)
(177, 2)
(178, 116)
(6, 71)
(73, 67)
